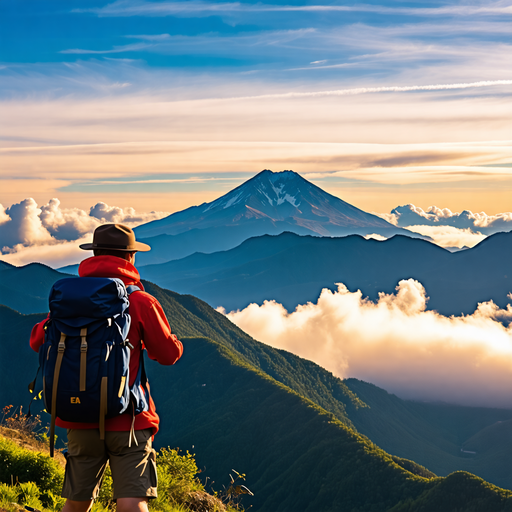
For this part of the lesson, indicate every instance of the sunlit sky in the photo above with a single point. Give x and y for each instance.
(142, 108)
(162, 105)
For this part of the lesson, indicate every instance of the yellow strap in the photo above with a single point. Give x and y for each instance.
(103, 406)
(58, 363)
(132, 430)
(83, 358)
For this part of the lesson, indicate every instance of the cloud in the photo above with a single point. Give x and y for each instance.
(410, 215)
(151, 37)
(113, 214)
(369, 90)
(66, 224)
(56, 255)
(375, 236)
(27, 231)
(134, 47)
(22, 225)
(395, 343)
(450, 236)
(201, 8)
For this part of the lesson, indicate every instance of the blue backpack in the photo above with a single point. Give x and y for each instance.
(85, 359)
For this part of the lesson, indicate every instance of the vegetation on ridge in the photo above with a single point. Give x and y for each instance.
(30, 477)
(283, 420)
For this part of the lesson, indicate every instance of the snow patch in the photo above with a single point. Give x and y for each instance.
(292, 200)
(212, 205)
(233, 200)
(222, 203)
(278, 191)
(284, 197)
(268, 197)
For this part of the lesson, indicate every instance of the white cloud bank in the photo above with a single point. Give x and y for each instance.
(395, 343)
(51, 234)
(410, 215)
(450, 237)
(446, 228)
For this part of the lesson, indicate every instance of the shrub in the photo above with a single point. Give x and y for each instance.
(19, 466)
(28, 494)
(17, 420)
(8, 494)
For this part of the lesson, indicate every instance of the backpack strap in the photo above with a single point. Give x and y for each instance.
(132, 288)
(60, 355)
(104, 380)
(83, 357)
(103, 406)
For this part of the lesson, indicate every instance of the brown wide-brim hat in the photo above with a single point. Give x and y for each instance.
(115, 237)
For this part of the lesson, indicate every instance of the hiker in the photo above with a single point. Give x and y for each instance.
(132, 464)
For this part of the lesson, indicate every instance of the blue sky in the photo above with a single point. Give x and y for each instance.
(284, 42)
(381, 103)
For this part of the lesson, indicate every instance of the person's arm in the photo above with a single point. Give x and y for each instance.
(160, 343)
(37, 335)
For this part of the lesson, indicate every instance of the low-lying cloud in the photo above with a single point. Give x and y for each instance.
(446, 228)
(410, 215)
(450, 237)
(50, 234)
(395, 343)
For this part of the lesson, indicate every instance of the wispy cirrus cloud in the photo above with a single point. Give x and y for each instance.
(199, 8)
(368, 90)
(212, 44)
(134, 47)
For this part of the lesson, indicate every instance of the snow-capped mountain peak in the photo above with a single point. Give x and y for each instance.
(272, 189)
(273, 202)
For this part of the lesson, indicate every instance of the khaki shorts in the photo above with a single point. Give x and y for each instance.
(133, 469)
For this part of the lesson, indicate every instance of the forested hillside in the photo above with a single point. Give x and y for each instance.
(239, 404)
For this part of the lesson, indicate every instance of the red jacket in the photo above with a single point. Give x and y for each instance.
(149, 329)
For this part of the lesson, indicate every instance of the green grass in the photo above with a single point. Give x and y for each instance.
(32, 478)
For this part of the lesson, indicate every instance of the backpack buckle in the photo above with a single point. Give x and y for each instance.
(83, 334)
(62, 344)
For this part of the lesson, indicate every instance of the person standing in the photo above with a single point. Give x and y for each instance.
(133, 464)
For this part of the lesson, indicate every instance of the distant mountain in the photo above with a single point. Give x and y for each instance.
(293, 269)
(268, 203)
(290, 425)
(26, 288)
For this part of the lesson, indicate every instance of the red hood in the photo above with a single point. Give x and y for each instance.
(110, 266)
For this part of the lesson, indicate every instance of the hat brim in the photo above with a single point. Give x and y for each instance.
(137, 247)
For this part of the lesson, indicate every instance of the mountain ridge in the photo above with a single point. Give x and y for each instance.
(293, 270)
(268, 203)
(226, 392)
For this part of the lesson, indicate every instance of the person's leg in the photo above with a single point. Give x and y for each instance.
(130, 505)
(133, 468)
(86, 462)
(77, 506)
